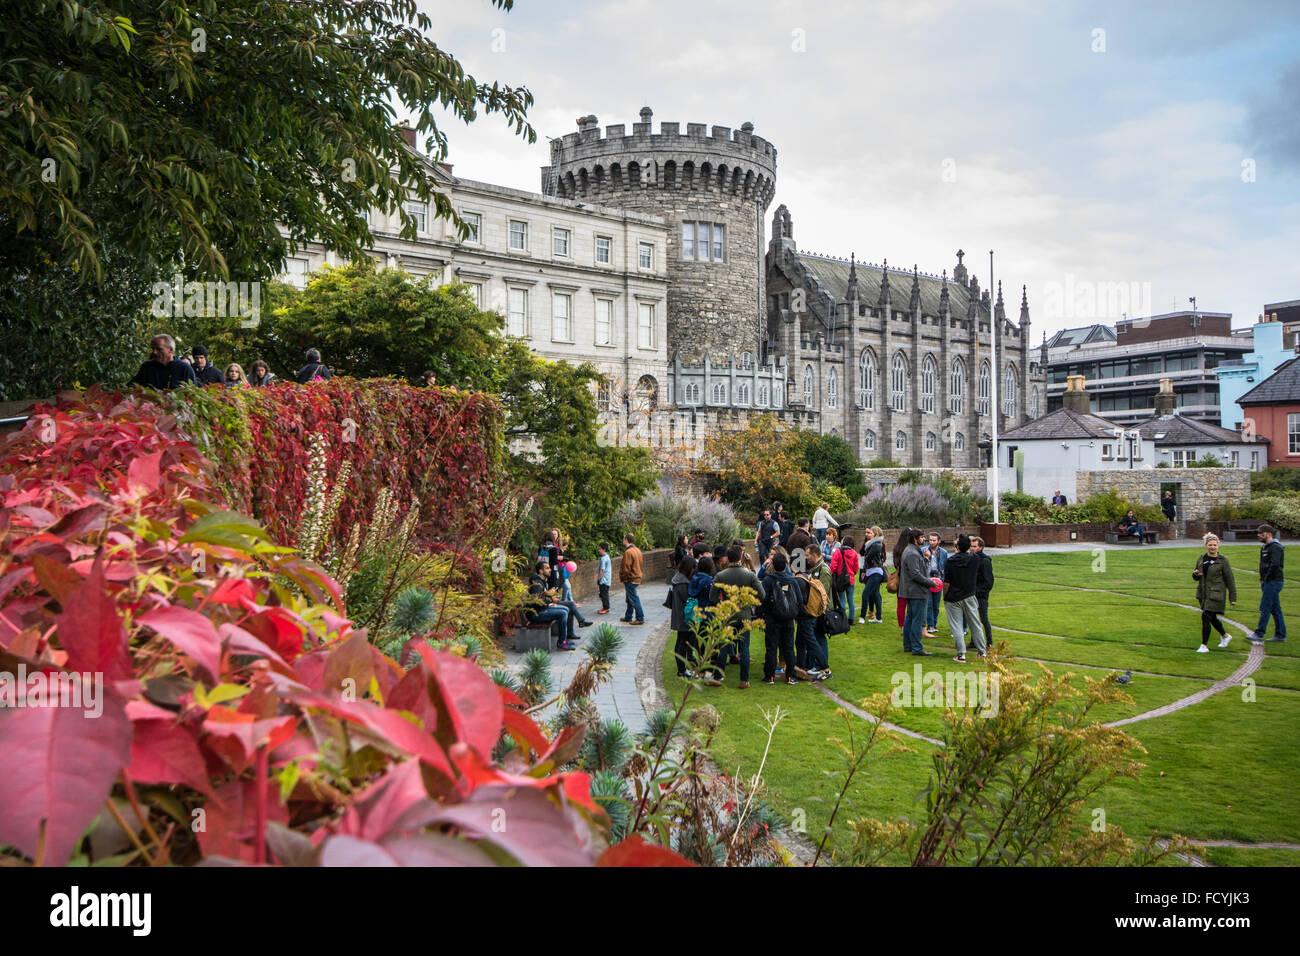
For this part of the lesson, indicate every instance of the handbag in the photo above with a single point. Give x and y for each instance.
(836, 621)
(892, 584)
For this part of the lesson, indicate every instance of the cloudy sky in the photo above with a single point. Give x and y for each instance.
(1084, 142)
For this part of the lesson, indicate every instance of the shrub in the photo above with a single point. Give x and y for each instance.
(883, 463)
(1281, 511)
(828, 458)
(438, 445)
(902, 505)
(233, 684)
(1272, 480)
(667, 514)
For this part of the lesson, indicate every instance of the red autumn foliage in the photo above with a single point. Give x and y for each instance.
(439, 445)
(239, 713)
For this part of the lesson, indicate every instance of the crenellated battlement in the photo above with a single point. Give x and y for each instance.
(716, 160)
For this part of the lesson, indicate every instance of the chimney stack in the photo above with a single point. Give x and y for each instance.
(408, 134)
(1165, 398)
(1076, 396)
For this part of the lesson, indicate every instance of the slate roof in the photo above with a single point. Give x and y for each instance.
(1062, 423)
(1178, 430)
(833, 274)
(1283, 386)
(1086, 335)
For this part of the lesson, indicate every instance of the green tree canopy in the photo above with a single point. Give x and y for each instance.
(206, 123)
(829, 458)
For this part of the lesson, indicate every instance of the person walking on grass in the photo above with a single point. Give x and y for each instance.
(700, 590)
(960, 601)
(983, 585)
(1214, 584)
(914, 586)
(736, 574)
(873, 575)
(1270, 586)
(604, 576)
(629, 572)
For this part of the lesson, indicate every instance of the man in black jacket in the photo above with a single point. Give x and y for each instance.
(203, 370)
(313, 370)
(1270, 586)
(983, 585)
(163, 370)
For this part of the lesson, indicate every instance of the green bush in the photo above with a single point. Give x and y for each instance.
(1275, 480)
(1280, 510)
(1206, 461)
(883, 463)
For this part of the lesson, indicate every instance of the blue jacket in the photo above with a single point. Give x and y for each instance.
(701, 585)
(942, 562)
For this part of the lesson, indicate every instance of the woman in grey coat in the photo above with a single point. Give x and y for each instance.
(1214, 585)
(914, 587)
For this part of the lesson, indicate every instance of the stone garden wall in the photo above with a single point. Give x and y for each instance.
(1199, 489)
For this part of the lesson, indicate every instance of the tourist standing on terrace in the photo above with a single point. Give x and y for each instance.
(163, 370)
(629, 572)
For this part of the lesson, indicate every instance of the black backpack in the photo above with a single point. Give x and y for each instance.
(836, 621)
(783, 600)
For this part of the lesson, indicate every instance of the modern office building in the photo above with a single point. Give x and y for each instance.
(1123, 373)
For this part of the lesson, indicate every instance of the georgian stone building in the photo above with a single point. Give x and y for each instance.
(645, 253)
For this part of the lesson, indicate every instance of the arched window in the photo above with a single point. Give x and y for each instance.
(808, 385)
(867, 380)
(985, 384)
(957, 387)
(763, 399)
(719, 393)
(647, 394)
(1009, 392)
(900, 441)
(1033, 402)
(899, 383)
(778, 394)
(832, 389)
(869, 440)
(746, 360)
(931, 442)
(928, 374)
(959, 442)
(742, 394)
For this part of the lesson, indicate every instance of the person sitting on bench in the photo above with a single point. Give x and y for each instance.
(542, 607)
(1131, 525)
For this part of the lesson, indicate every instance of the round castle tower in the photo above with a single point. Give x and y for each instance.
(713, 187)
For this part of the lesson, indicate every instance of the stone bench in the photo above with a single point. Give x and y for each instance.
(1114, 537)
(534, 636)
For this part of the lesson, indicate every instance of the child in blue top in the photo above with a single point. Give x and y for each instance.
(604, 576)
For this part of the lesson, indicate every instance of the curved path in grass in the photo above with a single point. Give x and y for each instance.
(1253, 660)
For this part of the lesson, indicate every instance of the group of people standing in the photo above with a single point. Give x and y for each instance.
(164, 369)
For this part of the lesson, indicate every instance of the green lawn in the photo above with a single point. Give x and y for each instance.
(1229, 765)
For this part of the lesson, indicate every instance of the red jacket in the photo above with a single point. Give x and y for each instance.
(845, 559)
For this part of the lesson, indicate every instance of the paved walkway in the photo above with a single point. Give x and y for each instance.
(621, 696)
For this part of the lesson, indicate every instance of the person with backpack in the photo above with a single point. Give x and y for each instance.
(699, 595)
(873, 575)
(914, 587)
(684, 650)
(314, 371)
(812, 649)
(737, 575)
(781, 607)
(844, 574)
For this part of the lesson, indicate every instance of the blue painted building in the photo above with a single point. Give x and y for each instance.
(1236, 378)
